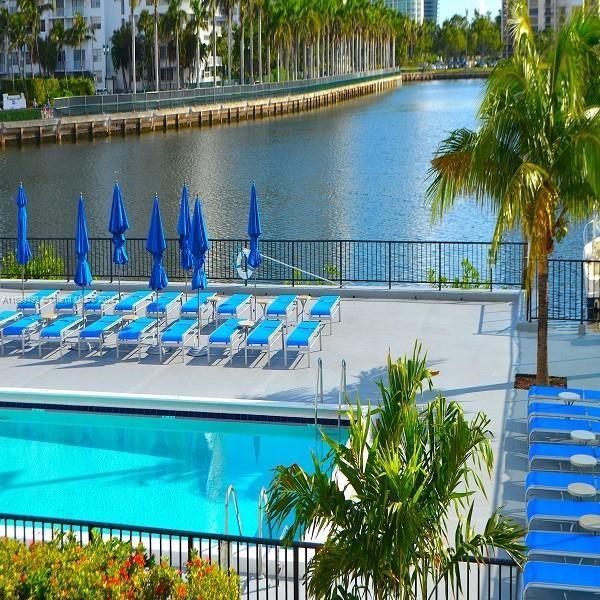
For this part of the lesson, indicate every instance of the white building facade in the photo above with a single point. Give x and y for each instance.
(94, 56)
(414, 9)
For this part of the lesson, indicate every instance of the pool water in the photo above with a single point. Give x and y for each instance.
(145, 471)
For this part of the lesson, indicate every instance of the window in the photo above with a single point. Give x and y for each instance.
(162, 52)
(97, 54)
(96, 22)
(95, 4)
(98, 76)
(43, 26)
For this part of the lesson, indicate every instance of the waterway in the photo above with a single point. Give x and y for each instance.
(356, 170)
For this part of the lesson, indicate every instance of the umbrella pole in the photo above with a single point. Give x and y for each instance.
(22, 282)
(119, 280)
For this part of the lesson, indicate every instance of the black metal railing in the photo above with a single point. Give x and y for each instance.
(573, 295)
(118, 103)
(267, 568)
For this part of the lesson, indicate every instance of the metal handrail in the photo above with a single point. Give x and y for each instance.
(262, 503)
(231, 493)
(342, 395)
(318, 390)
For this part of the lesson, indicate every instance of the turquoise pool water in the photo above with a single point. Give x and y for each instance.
(153, 472)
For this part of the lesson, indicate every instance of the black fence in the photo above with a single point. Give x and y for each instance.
(117, 103)
(267, 568)
(574, 284)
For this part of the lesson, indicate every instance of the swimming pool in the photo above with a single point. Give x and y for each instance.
(144, 471)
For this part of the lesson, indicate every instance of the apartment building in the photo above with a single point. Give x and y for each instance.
(94, 55)
(430, 10)
(415, 9)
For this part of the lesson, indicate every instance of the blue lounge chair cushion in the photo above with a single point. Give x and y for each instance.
(561, 576)
(562, 425)
(548, 451)
(103, 325)
(262, 333)
(59, 326)
(303, 333)
(560, 510)
(72, 300)
(100, 300)
(129, 302)
(230, 306)
(549, 409)
(553, 392)
(32, 301)
(163, 303)
(178, 330)
(563, 544)
(133, 331)
(553, 480)
(19, 327)
(192, 304)
(281, 305)
(225, 332)
(7, 316)
(324, 306)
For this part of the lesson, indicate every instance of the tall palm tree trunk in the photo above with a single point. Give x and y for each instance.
(156, 52)
(251, 49)
(178, 80)
(242, 50)
(133, 71)
(542, 334)
(229, 42)
(260, 48)
(214, 35)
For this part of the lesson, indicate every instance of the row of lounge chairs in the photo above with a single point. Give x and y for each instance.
(139, 319)
(562, 492)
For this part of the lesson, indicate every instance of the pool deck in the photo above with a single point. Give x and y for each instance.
(475, 345)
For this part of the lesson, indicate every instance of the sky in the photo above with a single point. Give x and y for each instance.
(447, 8)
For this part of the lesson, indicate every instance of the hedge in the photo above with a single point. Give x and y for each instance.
(104, 570)
(44, 89)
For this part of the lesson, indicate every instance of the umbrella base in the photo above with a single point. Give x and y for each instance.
(197, 351)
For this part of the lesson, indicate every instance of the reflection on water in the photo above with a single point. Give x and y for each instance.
(356, 170)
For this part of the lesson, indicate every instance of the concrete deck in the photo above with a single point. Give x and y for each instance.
(474, 344)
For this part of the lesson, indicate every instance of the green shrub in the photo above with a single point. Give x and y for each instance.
(104, 570)
(470, 278)
(45, 264)
(42, 89)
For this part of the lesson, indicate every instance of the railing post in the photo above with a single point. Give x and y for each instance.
(439, 266)
(293, 261)
(390, 265)
(68, 261)
(296, 555)
(341, 263)
(583, 295)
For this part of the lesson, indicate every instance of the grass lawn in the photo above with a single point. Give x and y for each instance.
(21, 114)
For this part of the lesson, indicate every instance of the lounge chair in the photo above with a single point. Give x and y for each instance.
(199, 302)
(325, 308)
(22, 329)
(135, 332)
(560, 577)
(263, 337)
(72, 303)
(559, 511)
(9, 316)
(560, 453)
(37, 302)
(98, 331)
(553, 481)
(133, 303)
(537, 392)
(302, 338)
(226, 335)
(548, 426)
(234, 307)
(564, 411)
(282, 307)
(100, 304)
(166, 303)
(178, 334)
(58, 330)
(562, 544)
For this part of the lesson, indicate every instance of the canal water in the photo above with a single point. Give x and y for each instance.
(355, 171)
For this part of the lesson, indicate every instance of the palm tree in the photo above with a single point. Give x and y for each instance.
(156, 52)
(535, 158)
(198, 23)
(119, 49)
(78, 33)
(58, 37)
(32, 11)
(407, 472)
(132, 6)
(174, 20)
(17, 35)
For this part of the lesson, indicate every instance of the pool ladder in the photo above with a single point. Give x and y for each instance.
(342, 394)
(342, 398)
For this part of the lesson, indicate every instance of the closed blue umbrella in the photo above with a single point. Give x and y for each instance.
(184, 227)
(23, 253)
(156, 245)
(254, 231)
(199, 247)
(83, 275)
(118, 224)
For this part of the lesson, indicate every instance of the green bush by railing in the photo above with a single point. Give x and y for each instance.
(42, 89)
(470, 278)
(45, 264)
(102, 570)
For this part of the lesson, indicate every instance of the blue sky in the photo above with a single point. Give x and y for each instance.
(451, 7)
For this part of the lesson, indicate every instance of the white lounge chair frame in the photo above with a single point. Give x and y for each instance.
(26, 336)
(237, 336)
(64, 334)
(189, 335)
(266, 347)
(314, 338)
(149, 333)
